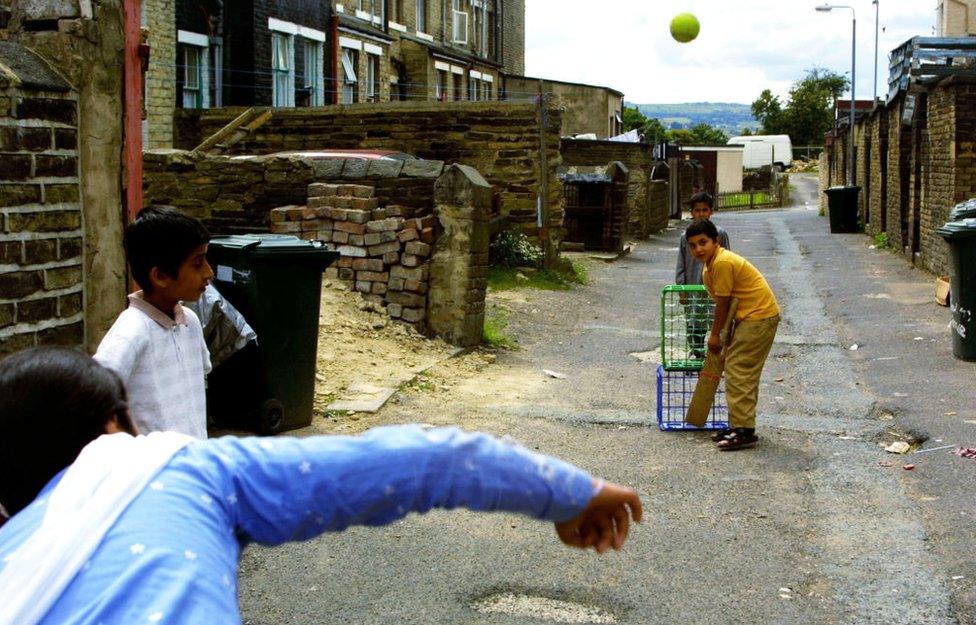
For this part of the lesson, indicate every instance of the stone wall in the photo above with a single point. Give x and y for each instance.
(89, 52)
(915, 173)
(646, 216)
(499, 139)
(41, 279)
(233, 196)
(513, 36)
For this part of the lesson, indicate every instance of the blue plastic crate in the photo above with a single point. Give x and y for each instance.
(674, 391)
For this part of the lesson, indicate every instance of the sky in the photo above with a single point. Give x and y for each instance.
(744, 46)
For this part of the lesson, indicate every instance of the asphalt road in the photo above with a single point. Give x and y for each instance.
(806, 528)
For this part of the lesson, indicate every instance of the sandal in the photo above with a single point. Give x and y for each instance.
(719, 435)
(739, 438)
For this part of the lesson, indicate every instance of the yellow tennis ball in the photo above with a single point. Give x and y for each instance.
(685, 27)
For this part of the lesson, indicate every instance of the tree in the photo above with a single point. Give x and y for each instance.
(651, 129)
(807, 114)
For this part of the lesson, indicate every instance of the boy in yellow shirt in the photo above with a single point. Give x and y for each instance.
(727, 276)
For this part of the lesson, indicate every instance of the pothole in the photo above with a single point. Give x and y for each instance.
(542, 608)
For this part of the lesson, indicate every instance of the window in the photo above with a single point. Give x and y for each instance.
(350, 84)
(282, 70)
(490, 37)
(487, 91)
(458, 87)
(314, 78)
(372, 78)
(474, 93)
(192, 78)
(422, 16)
(460, 22)
(480, 31)
(441, 86)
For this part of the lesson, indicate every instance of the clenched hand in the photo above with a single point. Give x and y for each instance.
(605, 521)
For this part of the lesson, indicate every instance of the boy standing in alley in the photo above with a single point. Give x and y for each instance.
(156, 345)
(727, 276)
(689, 271)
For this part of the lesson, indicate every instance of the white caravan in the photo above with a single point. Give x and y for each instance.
(760, 150)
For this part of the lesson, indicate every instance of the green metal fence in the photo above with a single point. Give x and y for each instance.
(686, 321)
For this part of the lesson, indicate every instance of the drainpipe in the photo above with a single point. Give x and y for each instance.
(132, 106)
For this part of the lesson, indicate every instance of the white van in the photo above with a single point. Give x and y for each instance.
(762, 150)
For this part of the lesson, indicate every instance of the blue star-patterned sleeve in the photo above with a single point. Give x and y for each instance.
(293, 489)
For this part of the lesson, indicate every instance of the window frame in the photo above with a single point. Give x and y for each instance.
(314, 51)
(350, 84)
(457, 24)
(421, 18)
(286, 73)
(197, 90)
(373, 87)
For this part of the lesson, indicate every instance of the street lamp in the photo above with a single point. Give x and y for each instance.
(877, 22)
(826, 8)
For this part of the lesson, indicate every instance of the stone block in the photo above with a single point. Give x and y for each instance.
(409, 273)
(61, 193)
(17, 342)
(365, 203)
(350, 227)
(373, 238)
(427, 236)
(322, 201)
(309, 226)
(278, 215)
(417, 248)
(357, 239)
(338, 236)
(69, 335)
(65, 139)
(324, 235)
(415, 286)
(391, 258)
(346, 274)
(55, 166)
(422, 169)
(373, 276)
(394, 310)
(32, 311)
(18, 194)
(409, 260)
(361, 191)
(309, 213)
(18, 284)
(353, 251)
(378, 213)
(47, 221)
(6, 315)
(295, 213)
(70, 305)
(331, 273)
(376, 299)
(384, 225)
(322, 189)
(379, 288)
(14, 139)
(323, 215)
(396, 284)
(358, 216)
(413, 315)
(64, 111)
(384, 248)
(15, 167)
(354, 168)
(343, 202)
(367, 264)
(10, 252)
(286, 227)
(308, 236)
(364, 287)
(408, 235)
(338, 214)
(384, 168)
(395, 211)
(327, 169)
(344, 263)
(428, 221)
(40, 251)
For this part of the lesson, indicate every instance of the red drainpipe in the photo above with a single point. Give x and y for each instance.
(132, 104)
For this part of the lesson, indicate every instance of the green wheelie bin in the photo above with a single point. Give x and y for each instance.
(961, 237)
(842, 208)
(275, 282)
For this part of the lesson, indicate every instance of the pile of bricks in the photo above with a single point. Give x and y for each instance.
(384, 254)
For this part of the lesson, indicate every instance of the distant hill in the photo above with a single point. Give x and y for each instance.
(727, 116)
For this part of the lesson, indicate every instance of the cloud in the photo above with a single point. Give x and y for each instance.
(743, 47)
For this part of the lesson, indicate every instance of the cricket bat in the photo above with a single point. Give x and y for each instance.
(709, 377)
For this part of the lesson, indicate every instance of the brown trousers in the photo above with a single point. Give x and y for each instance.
(744, 361)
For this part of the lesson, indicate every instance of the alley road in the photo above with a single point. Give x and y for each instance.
(806, 528)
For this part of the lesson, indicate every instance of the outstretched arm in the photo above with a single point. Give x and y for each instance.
(293, 489)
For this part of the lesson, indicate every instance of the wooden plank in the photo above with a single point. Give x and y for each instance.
(213, 140)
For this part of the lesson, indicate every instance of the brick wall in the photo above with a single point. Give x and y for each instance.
(878, 173)
(499, 139)
(899, 175)
(513, 36)
(160, 16)
(41, 282)
(645, 216)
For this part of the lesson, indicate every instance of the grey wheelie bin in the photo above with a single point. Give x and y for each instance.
(961, 237)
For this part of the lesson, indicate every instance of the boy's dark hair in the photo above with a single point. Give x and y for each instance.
(162, 237)
(702, 198)
(53, 402)
(702, 226)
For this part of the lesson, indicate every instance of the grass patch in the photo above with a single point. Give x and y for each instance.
(418, 384)
(562, 278)
(881, 241)
(493, 333)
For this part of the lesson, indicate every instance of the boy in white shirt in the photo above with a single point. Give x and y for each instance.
(156, 345)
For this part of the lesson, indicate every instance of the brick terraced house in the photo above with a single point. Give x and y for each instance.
(294, 53)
